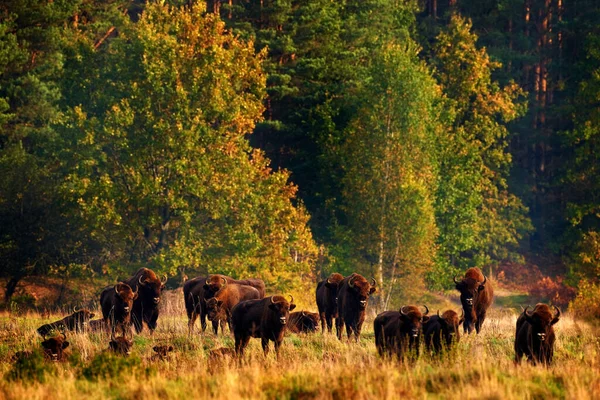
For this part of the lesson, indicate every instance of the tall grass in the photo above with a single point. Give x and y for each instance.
(311, 366)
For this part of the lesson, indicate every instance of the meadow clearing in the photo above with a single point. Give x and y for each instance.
(310, 366)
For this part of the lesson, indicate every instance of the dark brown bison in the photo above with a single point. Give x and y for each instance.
(161, 352)
(120, 345)
(535, 335)
(327, 292)
(353, 297)
(476, 296)
(145, 307)
(441, 331)
(303, 322)
(215, 282)
(54, 348)
(399, 332)
(116, 303)
(218, 308)
(77, 322)
(265, 319)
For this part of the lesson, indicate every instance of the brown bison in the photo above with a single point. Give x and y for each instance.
(442, 330)
(145, 307)
(77, 322)
(197, 290)
(161, 352)
(218, 308)
(303, 322)
(397, 333)
(120, 345)
(476, 296)
(221, 353)
(265, 319)
(327, 293)
(54, 348)
(353, 297)
(535, 335)
(116, 303)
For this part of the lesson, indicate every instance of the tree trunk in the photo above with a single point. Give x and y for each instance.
(11, 287)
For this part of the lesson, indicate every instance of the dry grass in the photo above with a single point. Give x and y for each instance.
(313, 366)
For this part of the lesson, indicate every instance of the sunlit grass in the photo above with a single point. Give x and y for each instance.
(313, 366)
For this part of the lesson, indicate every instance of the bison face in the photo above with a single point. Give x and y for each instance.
(413, 320)
(152, 287)
(469, 289)
(53, 347)
(162, 351)
(542, 321)
(361, 289)
(214, 309)
(83, 317)
(450, 323)
(281, 308)
(213, 284)
(120, 345)
(126, 295)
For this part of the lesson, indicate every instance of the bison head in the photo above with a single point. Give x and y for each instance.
(214, 309)
(281, 308)
(361, 289)
(162, 352)
(120, 345)
(53, 347)
(152, 286)
(412, 320)
(213, 284)
(450, 322)
(126, 295)
(542, 320)
(82, 316)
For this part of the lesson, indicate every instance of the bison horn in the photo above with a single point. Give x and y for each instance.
(557, 312)
(351, 281)
(455, 281)
(484, 280)
(64, 336)
(140, 281)
(374, 282)
(426, 309)
(402, 311)
(272, 302)
(165, 281)
(438, 313)
(303, 313)
(207, 281)
(137, 289)
(525, 311)
(117, 288)
(75, 309)
(224, 281)
(291, 299)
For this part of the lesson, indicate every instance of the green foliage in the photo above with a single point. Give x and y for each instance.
(106, 365)
(30, 368)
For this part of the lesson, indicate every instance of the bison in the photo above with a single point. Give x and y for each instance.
(265, 319)
(54, 347)
(75, 322)
(399, 332)
(197, 290)
(476, 295)
(535, 335)
(162, 352)
(116, 303)
(442, 330)
(353, 297)
(218, 308)
(303, 322)
(120, 345)
(145, 307)
(327, 296)
(98, 325)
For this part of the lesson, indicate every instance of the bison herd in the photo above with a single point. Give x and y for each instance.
(243, 307)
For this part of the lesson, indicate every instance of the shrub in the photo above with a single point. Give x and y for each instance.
(587, 303)
(107, 365)
(553, 290)
(30, 367)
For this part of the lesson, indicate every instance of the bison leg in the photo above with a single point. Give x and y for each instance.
(277, 347)
(358, 330)
(323, 321)
(329, 320)
(152, 321)
(240, 344)
(265, 345)
(348, 330)
(215, 326)
(203, 318)
(479, 322)
(136, 319)
(339, 326)
(193, 316)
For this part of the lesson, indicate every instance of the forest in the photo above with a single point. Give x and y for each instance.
(405, 140)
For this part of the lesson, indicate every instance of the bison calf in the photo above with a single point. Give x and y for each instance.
(265, 319)
(442, 330)
(303, 322)
(535, 335)
(162, 352)
(399, 332)
(54, 347)
(120, 345)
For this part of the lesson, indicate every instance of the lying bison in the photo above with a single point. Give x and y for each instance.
(116, 303)
(54, 348)
(397, 333)
(218, 308)
(265, 319)
(77, 322)
(145, 307)
(303, 322)
(476, 296)
(327, 296)
(161, 352)
(120, 345)
(353, 297)
(535, 335)
(442, 331)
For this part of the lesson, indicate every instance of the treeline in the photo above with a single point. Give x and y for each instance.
(294, 138)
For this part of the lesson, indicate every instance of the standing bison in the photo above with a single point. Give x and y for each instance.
(476, 296)
(116, 303)
(327, 296)
(77, 322)
(265, 319)
(535, 335)
(442, 331)
(353, 297)
(218, 308)
(145, 307)
(399, 332)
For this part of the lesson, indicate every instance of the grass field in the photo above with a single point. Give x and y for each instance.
(313, 366)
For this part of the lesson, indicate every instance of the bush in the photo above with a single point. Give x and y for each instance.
(107, 365)
(553, 290)
(30, 368)
(587, 303)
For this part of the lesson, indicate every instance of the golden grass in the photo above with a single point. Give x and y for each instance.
(313, 366)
